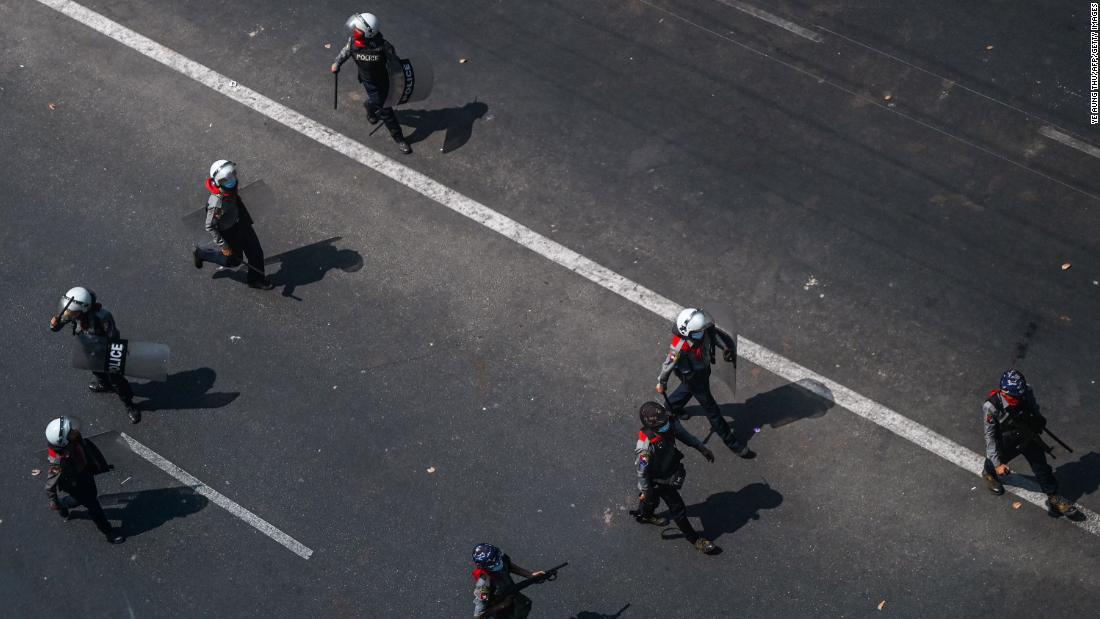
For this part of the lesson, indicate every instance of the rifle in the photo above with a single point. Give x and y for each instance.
(547, 576)
(1058, 440)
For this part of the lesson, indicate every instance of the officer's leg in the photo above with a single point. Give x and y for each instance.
(87, 497)
(1037, 458)
(700, 388)
(254, 252)
(647, 505)
(677, 512)
(390, 120)
(679, 398)
(101, 382)
(213, 253)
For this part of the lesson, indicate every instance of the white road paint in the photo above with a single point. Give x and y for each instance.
(1070, 141)
(556, 252)
(785, 24)
(218, 498)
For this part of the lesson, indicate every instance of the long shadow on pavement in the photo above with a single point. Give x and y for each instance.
(726, 512)
(457, 122)
(806, 399)
(148, 509)
(183, 390)
(1080, 478)
(309, 264)
(587, 614)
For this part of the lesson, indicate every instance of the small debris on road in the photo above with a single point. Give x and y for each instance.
(1017, 505)
(462, 61)
(988, 47)
(881, 604)
(36, 472)
(52, 106)
(328, 45)
(125, 480)
(234, 338)
(888, 97)
(1066, 266)
(431, 469)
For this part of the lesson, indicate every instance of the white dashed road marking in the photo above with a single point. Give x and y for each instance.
(1070, 141)
(785, 24)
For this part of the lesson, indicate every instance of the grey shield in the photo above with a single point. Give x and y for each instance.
(255, 194)
(410, 81)
(135, 359)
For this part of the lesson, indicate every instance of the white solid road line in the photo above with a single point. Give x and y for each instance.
(1070, 141)
(218, 498)
(556, 252)
(785, 24)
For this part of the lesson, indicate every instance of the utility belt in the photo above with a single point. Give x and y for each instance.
(674, 481)
(687, 374)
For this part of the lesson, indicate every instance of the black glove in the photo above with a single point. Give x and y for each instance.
(707, 453)
(728, 355)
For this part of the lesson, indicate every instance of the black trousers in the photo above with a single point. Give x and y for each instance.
(241, 238)
(376, 96)
(1036, 457)
(117, 383)
(698, 387)
(677, 512)
(85, 493)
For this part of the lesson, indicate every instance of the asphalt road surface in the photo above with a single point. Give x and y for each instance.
(885, 194)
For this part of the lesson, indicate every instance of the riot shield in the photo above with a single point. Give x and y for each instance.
(410, 81)
(256, 193)
(135, 359)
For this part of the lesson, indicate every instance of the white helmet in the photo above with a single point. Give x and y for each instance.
(692, 320)
(223, 170)
(59, 430)
(77, 299)
(366, 23)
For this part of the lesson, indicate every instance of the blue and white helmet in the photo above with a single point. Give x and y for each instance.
(1013, 383)
(488, 557)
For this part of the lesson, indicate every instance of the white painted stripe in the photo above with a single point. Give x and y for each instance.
(785, 24)
(218, 498)
(612, 281)
(1070, 141)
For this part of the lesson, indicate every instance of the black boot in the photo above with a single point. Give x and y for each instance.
(195, 257)
(742, 450)
(261, 284)
(993, 484)
(403, 145)
(133, 412)
(1057, 505)
(98, 386)
(114, 537)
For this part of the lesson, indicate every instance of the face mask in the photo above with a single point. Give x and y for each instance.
(498, 566)
(664, 428)
(698, 335)
(230, 183)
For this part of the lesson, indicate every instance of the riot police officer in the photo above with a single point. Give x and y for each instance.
(661, 474)
(230, 224)
(1013, 424)
(492, 577)
(80, 309)
(73, 463)
(373, 55)
(690, 356)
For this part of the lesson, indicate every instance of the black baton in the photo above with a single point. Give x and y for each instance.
(335, 88)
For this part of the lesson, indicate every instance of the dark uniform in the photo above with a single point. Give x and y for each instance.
(72, 469)
(661, 475)
(372, 56)
(98, 321)
(1013, 427)
(691, 360)
(230, 224)
(489, 585)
